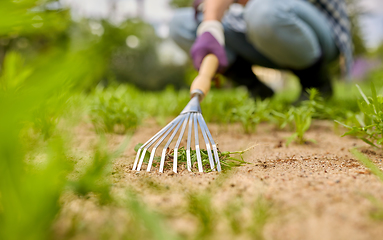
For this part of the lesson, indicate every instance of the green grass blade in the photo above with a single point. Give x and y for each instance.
(368, 163)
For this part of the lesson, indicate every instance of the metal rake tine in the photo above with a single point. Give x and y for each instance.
(147, 142)
(208, 149)
(196, 141)
(158, 143)
(153, 141)
(167, 145)
(217, 162)
(179, 142)
(188, 159)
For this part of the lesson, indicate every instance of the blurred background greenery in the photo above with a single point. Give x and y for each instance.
(131, 49)
(56, 67)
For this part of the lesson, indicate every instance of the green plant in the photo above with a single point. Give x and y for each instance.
(377, 212)
(261, 214)
(283, 120)
(200, 206)
(112, 112)
(370, 128)
(35, 93)
(233, 213)
(302, 122)
(368, 163)
(145, 223)
(30, 191)
(303, 116)
(95, 178)
(248, 114)
(218, 105)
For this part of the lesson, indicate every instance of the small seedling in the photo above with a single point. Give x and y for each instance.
(302, 121)
(303, 116)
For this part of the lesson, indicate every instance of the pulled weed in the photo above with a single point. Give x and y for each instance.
(226, 159)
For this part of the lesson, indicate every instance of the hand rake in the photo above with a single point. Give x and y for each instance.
(191, 116)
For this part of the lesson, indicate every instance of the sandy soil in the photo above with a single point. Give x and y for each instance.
(318, 191)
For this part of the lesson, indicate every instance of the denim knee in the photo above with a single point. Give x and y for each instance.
(182, 28)
(279, 34)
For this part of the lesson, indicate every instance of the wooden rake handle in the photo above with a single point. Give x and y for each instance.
(206, 73)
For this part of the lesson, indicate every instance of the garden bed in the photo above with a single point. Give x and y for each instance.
(310, 191)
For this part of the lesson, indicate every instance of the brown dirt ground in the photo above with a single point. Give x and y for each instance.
(319, 190)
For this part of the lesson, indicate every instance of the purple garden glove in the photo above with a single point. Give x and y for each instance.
(206, 43)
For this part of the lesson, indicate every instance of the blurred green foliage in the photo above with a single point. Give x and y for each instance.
(181, 3)
(368, 163)
(119, 60)
(35, 92)
(111, 111)
(111, 107)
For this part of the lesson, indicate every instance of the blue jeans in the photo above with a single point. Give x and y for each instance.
(281, 34)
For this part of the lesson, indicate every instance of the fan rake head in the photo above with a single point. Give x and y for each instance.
(191, 116)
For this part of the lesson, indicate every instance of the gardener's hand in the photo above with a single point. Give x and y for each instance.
(210, 39)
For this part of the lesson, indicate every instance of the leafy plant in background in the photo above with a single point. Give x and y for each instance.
(370, 128)
(218, 105)
(111, 112)
(96, 176)
(283, 120)
(251, 113)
